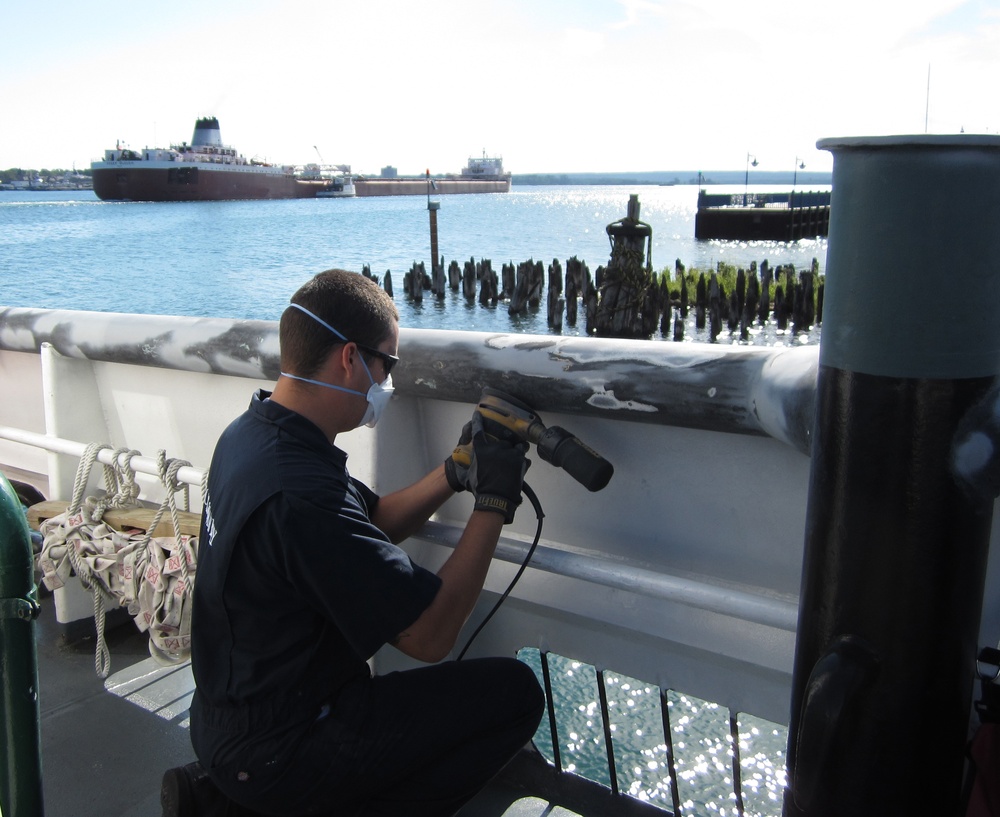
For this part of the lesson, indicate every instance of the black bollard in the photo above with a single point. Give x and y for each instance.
(895, 548)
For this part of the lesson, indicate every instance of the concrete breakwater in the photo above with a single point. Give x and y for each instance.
(762, 216)
(416, 186)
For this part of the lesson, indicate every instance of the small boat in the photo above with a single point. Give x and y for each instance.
(339, 184)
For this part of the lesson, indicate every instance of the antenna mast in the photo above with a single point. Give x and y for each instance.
(927, 109)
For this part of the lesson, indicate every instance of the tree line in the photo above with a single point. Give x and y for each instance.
(19, 174)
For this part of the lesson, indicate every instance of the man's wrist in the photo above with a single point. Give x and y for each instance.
(496, 504)
(451, 474)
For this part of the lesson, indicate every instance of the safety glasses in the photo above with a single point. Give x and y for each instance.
(389, 361)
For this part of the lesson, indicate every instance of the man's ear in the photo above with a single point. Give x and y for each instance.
(340, 362)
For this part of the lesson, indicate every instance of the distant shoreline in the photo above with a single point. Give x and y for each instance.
(45, 188)
(672, 177)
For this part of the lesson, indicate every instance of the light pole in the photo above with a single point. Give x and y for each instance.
(799, 165)
(751, 160)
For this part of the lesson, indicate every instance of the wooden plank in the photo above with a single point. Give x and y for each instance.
(130, 518)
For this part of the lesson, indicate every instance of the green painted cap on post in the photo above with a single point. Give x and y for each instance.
(16, 576)
(913, 240)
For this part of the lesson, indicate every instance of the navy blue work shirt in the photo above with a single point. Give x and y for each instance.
(295, 587)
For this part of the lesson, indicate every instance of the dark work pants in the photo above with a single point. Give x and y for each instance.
(418, 743)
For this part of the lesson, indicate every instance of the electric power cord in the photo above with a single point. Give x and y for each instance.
(533, 499)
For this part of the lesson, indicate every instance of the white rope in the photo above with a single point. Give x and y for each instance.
(152, 576)
(170, 625)
(75, 528)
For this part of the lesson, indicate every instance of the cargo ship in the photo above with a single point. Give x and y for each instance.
(484, 174)
(208, 170)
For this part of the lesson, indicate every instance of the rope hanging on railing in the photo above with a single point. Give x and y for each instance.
(152, 576)
(168, 580)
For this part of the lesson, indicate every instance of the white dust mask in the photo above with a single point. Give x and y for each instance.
(379, 393)
(377, 397)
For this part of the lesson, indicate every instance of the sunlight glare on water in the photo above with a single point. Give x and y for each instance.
(243, 260)
(700, 736)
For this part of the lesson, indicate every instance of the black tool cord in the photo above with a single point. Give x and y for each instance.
(533, 499)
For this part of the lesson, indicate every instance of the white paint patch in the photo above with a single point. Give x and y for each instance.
(21, 339)
(518, 341)
(603, 399)
(614, 350)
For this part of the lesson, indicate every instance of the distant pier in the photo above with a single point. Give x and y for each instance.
(763, 216)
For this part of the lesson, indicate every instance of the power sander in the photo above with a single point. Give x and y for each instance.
(555, 444)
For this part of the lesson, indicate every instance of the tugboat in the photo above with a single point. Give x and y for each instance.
(207, 170)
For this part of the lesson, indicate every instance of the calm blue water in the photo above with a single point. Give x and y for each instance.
(244, 259)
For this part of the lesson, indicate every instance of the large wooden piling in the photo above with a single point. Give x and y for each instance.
(623, 290)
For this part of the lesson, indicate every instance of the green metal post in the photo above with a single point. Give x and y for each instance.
(21, 767)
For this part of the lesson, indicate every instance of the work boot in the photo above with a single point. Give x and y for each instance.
(187, 791)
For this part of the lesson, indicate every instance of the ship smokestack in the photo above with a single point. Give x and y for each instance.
(206, 133)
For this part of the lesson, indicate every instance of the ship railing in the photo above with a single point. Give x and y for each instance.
(682, 573)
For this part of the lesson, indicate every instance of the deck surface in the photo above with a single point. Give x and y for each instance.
(106, 744)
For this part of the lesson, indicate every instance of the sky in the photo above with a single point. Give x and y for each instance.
(552, 86)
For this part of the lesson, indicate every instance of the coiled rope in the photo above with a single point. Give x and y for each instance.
(152, 576)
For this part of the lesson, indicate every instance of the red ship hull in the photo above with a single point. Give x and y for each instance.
(132, 181)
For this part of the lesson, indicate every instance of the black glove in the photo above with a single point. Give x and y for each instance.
(498, 430)
(497, 471)
(456, 467)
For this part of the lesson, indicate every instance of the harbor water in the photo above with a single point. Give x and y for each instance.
(244, 259)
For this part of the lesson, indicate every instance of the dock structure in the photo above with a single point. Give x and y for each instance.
(763, 216)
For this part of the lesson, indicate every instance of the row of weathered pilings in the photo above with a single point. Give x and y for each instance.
(627, 298)
(737, 298)
(799, 301)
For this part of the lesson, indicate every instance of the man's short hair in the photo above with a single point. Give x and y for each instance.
(351, 303)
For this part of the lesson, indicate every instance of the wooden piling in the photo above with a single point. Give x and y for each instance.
(728, 295)
(469, 279)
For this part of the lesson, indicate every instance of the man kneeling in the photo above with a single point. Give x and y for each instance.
(299, 582)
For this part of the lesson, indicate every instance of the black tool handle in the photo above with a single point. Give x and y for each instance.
(580, 461)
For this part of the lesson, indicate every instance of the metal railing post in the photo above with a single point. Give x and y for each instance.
(21, 769)
(896, 545)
